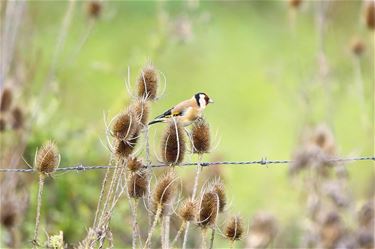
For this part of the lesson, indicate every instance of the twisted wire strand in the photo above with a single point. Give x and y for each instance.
(263, 161)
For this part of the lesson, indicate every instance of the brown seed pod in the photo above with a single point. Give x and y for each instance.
(173, 144)
(94, 8)
(208, 209)
(8, 214)
(134, 164)
(6, 100)
(47, 158)
(17, 118)
(3, 124)
(262, 231)
(188, 210)
(218, 188)
(295, 3)
(165, 189)
(234, 230)
(137, 185)
(124, 149)
(124, 126)
(201, 137)
(370, 14)
(148, 83)
(357, 47)
(141, 111)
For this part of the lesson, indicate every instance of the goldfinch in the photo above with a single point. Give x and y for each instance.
(187, 111)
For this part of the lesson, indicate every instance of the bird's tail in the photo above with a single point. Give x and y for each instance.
(155, 121)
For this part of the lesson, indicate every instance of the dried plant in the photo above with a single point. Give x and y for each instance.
(263, 229)
(370, 14)
(133, 164)
(137, 185)
(6, 100)
(148, 83)
(173, 143)
(94, 8)
(234, 230)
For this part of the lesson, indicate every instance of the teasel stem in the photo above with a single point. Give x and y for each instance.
(212, 237)
(152, 229)
(360, 89)
(165, 234)
(231, 245)
(196, 180)
(203, 242)
(179, 232)
(149, 170)
(101, 196)
(39, 204)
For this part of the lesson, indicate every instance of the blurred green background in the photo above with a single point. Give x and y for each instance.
(259, 62)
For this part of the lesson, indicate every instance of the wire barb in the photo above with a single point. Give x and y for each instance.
(263, 161)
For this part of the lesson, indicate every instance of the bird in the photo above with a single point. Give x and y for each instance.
(187, 111)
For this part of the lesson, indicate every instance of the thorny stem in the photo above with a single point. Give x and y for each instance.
(152, 229)
(212, 237)
(196, 180)
(179, 232)
(166, 226)
(39, 204)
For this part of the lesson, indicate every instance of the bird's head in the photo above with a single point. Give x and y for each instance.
(202, 99)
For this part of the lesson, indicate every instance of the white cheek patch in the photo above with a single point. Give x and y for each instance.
(202, 102)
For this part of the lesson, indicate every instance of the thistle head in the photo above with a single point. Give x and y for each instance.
(47, 159)
(207, 209)
(124, 126)
(133, 164)
(165, 190)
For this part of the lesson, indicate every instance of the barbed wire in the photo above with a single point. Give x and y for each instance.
(263, 161)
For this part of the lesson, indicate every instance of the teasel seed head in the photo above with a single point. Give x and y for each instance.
(295, 3)
(137, 185)
(173, 144)
(134, 164)
(3, 123)
(6, 100)
(124, 126)
(207, 210)
(262, 231)
(17, 118)
(188, 210)
(47, 158)
(324, 139)
(366, 217)
(94, 8)
(148, 83)
(124, 148)
(201, 137)
(165, 190)
(8, 214)
(141, 110)
(370, 14)
(357, 47)
(234, 230)
(218, 188)
(331, 229)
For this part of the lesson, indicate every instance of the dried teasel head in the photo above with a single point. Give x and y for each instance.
(47, 159)
(17, 118)
(94, 8)
(8, 214)
(234, 230)
(366, 217)
(173, 144)
(218, 188)
(122, 149)
(188, 210)
(207, 209)
(141, 111)
(133, 164)
(295, 3)
(148, 83)
(263, 229)
(331, 229)
(124, 126)
(357, 46)
(201, 137)
(370, 14)
(165, 190)
(323, 138)
(6, 100)
(137, 185)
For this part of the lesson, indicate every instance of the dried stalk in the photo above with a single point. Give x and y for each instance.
(39, 205)
(152, 229)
